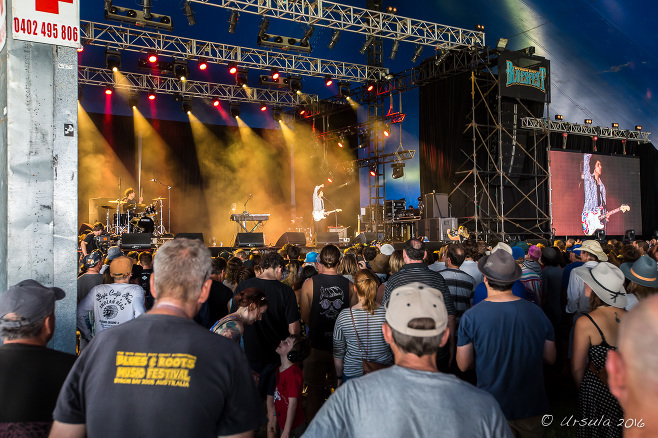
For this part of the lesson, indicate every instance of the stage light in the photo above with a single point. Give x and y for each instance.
(341, 141)
(615, 125)
(181, 70)
(629, 235)
(232, 68)
(203, 64)
(394, 49)
(109, 89)
(502, 44)
(559, 117)
(334, 39)
(387, 130)
(233, 21)
(113, 59)
(588, 121)
(80, 49)
(392, 10)
(565, 135)
(147, 10)
(263, 106)
(373, 170)
(529, 50)
(364, 140)
(369, 41)
(131, 13)
(344, 89)
(152, 95)
(133, 100)
(241, 77)
(275, 73)
(277, 114)
(638, 127)
(295, 84)
(479, 27)
(186, 104)
(417, 52)
(153, 57)
(595, 138)
(189, 13)
(370, 86)
(215, 102)
(234, 109)
(301, 111)
(330, 179)
(398, 170)
(328, 80)
(307, 35)
(263, 27)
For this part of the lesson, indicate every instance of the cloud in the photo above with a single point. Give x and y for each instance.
(617, 68)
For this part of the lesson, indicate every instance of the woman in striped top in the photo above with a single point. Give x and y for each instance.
(367, 317)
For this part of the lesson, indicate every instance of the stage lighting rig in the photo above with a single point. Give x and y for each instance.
(328, 80)
(233, 21)
(295, 83)
(113, 59)
(203, 64)
(638, 127)
(301, 110)
(151, 94)
(263, 26)
(275, 73)
(138, 17)
(189, 12)
(263, 106)
(615, 125)
(373, 170)
(153, 57)
(186, 104)
(529, 50)
(344, 89)
(162, 67)
(109, 89)
(215, 102)
(417, 52)
(267, 81)
(369, 41)
(232, 68)
(241, 77)
(181, 70)
(277, 113)
(394, 49)
(559, 117)
(501, 44)
(398, 170)
(364, 140)
(334, 38)
(307, 36)
(588, 121)
(234, 109)
(282, 43)
(387, 130)
(133, 99)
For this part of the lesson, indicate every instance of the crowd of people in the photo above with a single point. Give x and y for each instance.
(366, 341)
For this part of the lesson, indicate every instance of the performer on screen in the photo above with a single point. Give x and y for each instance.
(594, 190)
(318, 210)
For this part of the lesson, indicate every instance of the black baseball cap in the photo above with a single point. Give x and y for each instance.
(30, 301)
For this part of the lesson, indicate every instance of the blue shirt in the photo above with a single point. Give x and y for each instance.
(508, 341)
(518, 289)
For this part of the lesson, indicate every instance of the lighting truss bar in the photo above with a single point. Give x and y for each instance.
(365, 127)
(585, 130)
(405, 154)
(138, 40)
(360, 20)
(205, 90)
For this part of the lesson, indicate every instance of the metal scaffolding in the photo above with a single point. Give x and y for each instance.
(142, 41)
(206, 90)
(359, 20)
(585, 130)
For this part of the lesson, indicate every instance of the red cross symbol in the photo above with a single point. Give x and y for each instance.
(50, 6)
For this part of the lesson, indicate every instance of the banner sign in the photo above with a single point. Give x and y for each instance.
(524, 77)
(54, 22)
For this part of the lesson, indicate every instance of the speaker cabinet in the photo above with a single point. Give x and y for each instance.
(249, 240)
(436, 205)
(294, 238)
(435, 229)
(136, 241)
(365, 238)
(327, 238)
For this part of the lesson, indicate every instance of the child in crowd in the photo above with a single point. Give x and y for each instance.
(286, 404)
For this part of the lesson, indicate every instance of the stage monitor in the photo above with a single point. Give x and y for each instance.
(617, 196)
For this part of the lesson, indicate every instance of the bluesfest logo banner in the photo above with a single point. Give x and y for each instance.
(523, 77)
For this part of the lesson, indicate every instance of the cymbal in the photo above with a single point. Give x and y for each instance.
(117, 202)
(108, 207)
(159, 199)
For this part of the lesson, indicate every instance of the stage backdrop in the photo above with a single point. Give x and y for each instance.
(621, 177)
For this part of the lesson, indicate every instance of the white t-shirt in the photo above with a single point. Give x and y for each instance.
(112, 304)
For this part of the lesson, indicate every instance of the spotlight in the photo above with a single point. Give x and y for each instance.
(133, 100)
(186, 105)
(373, 170)
(327, 80)
(398, 170)
(334, 39)
(394, 49)
(630, 235)
(232, 68)
(181, 70)
(275, 73)
(301, 110)
(109, 89)
(387, 130)
(344, 89)
(203, 64)
(234, 109)
(595, 138)
(277, 114)
(263, 27)
(615, 125)
(392, 10)
(80, 49)
(152, 95)
(153, 57)
(565, 135)
(307, 35)
(263, 106)
(559, 117)
(215, 102)
(147, 10)
(638, 127)
(341, 142)
(190, 13)
(501, 44)
(364, 140)
(370, 86)
(233, 21)
(113, 59)
(241, 78)
(588, 121)
(417, 52)
(295, 83)
(479, 27)
(369, 41)
(330, 178)
(131, 13)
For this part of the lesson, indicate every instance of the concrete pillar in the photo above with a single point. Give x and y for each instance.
(39, 173)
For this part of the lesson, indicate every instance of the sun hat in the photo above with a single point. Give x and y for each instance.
(503, 246)
(606, 281)
(380, 264)
(594, 247)
(500, 266)
(643, 271)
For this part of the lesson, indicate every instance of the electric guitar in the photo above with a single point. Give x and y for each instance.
(321, 214)
(594, 219)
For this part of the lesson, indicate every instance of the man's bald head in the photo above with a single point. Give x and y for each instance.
(638, 337)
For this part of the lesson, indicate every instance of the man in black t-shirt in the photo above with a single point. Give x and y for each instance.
(89, 243)
(31, 374)
(161, 374)
(220, 295)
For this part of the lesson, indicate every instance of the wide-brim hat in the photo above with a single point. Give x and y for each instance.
(500, 266)
(643, 271)
(380, 264)
(594, 247)
(387, 249)
(503, 246)
(606, 281)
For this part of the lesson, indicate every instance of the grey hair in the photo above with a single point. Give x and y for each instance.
(180, 268)
(25, 332)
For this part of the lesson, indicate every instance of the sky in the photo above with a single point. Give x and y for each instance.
(602, 54)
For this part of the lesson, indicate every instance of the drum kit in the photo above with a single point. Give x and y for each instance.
(136, 218)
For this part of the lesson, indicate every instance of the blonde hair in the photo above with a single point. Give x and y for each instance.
(366, 284)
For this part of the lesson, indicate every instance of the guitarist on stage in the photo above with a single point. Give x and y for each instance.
(319, 214)
(594, 188)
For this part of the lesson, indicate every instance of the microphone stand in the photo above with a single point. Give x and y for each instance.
(169, 200)
(335, 212)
